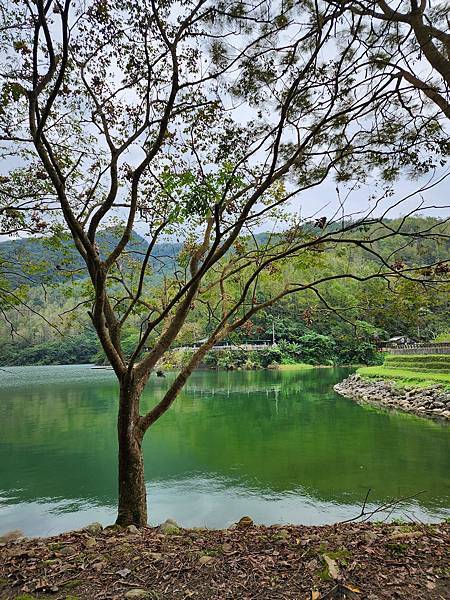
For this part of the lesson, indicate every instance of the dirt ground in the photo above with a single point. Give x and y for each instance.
(246, 562)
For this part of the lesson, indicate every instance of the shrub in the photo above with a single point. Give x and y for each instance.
(442, 337)
(354, 351)
(316, 349)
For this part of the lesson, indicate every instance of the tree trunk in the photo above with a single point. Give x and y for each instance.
(132, 509)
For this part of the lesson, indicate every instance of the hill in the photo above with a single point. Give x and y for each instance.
(52, 259)
(49, 322)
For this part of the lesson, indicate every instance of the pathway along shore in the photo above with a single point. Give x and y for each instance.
(432, 402)
(246, 562)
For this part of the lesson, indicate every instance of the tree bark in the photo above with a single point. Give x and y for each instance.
(132, 509)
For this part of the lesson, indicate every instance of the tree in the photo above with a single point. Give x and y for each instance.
(133, 112)
(410, 33)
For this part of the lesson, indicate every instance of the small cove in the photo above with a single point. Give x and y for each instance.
(279, 446)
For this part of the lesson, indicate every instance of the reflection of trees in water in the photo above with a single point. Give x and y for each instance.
(269, 390)
(273, 382)
(273, 433)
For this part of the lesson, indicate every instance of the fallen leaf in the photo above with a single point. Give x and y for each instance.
(405, 535)
(352, 588)
(137, 593)
(332, 565)
(123, 572)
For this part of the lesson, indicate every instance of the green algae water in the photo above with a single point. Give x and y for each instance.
(281, 447)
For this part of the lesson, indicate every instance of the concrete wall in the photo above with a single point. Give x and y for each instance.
(419, 349)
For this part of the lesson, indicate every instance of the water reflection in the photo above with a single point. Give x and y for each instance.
(280, 446)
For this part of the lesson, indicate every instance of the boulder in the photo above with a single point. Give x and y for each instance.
(431, 402)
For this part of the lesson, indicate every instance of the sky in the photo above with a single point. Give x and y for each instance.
(324, 200)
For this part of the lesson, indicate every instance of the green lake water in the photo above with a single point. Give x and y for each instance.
(281, 447)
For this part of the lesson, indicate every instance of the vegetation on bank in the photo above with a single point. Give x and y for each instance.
(309, 350)
(295, 367)
(412, 370)
(69, 350)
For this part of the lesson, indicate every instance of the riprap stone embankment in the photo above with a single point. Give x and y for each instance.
(432, 402)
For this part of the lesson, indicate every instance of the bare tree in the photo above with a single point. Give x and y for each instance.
(201, 120)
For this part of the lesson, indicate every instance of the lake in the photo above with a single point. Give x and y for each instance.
(281, 447)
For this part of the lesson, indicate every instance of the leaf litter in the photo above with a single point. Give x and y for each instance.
(355, 561)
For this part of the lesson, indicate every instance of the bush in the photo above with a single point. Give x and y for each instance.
(360, 352)
(316, 349)
(64, 351)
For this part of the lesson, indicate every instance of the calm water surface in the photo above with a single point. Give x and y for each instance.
(279, 446)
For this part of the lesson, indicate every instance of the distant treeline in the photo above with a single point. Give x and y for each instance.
(50, 322)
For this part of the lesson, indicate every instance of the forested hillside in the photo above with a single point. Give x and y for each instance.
(46, 298)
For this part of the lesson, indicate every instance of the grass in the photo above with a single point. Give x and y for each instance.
(406, 377)
(419, 362)
(414, 370)
(295, 367)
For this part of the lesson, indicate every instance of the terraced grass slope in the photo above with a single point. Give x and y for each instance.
(419, 362)
(412, 369)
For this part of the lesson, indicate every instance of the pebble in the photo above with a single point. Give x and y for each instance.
(204, 560)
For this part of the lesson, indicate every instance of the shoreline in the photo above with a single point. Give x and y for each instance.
(431, 402)
(275, 367)
(375, 561)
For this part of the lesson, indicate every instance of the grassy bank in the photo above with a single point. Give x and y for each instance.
(295, 367)
(412, 370)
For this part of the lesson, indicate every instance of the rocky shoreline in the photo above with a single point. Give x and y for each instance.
(432, 402)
